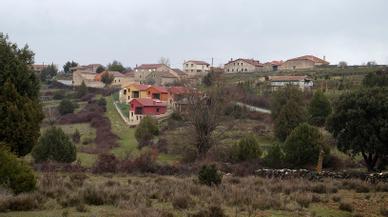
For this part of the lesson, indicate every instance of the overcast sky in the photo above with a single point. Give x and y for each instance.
(142, 31)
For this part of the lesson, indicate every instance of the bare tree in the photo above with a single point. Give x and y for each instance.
(205, 113)
(165, 61)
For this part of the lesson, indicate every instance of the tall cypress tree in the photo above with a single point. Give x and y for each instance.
(20, 109)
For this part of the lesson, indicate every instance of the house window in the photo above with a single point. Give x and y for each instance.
(137, 118)
(138, 110)
(187, 65)
(246, 69)
(192, 65)
(157, 110)
(125, 92)
(241, 63)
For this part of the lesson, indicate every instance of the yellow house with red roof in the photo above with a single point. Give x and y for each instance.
(133, 91)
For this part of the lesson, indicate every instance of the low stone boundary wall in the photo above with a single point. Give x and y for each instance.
(312, 175)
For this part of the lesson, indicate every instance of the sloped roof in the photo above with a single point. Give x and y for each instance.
(149, 102)
(198, 62)
(139, 86)
(159, 88)
(179, 72)
(149, 66)
(250, 61)
(165, 74)
(310, 58)
(288, 78)
(275, 62)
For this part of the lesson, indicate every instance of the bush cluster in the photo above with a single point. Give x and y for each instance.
(209, 175)
(54, 145)
(14, 173)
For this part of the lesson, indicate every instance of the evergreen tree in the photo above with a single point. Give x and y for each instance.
(116, 66)
(82, 90)
(291, 115)
(146, 131)
(319, 109)
(303, 145)
(54, 145)
(48, 72)
(68, 65)
(282, 96)
(20, 110)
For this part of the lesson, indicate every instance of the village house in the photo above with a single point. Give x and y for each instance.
(133, 91)
(303, 62)
(159, 93)
(196, 67)
(92, 68)
(272, 66)
(178, 97)
(89, 78)
(142, 71)
(119, 79)
(139, 108)
(161, 78)
(303, 82)
(38, 68)
(243, 65)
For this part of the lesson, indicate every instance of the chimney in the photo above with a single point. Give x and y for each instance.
(231, 59)
(324, 58)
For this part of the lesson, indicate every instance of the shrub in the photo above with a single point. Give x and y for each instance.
(23, 202)
(213, 211)
(58, 95)
(93, 196)
(76, 136)
(319, 109)
(146, 131)
(14, 173)
(303, 145)
(180, 202)
(248, 148)
(55, 145)
(101, 102)
(106, 163)
(209, 175)
(66, 107)
(274, 157)
(345, 206)
(384, 211)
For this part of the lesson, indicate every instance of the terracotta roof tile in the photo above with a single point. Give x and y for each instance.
(149, 102)
(198, 62)
(311, 58)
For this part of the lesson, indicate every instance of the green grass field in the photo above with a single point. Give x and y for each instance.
(128, 143)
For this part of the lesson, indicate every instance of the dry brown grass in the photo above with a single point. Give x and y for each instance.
(184, 196)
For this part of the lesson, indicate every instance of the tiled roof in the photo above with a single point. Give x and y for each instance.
(276, 63)
(116, 74)
(149, 102)
(160, 89)
(178, 71)
(149, 66)
(311, 58)
(198, 62)
(165, 74)
(250, 61)
(287, 78)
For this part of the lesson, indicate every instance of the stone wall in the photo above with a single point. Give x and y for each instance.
(312, 175)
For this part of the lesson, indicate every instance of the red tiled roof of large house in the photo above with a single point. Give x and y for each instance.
(149, 102)
(142, 86)
(149, 66)
(311, 58)
(250, 61)
(287, 78)
(160, 89)
(198, 62)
